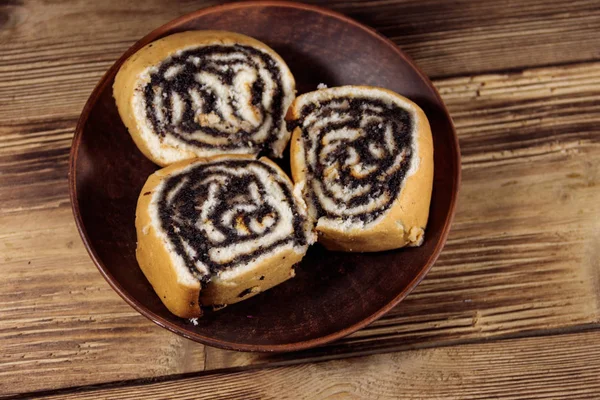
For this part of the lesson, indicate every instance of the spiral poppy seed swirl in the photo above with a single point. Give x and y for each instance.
(226, 213)
(229, 98)
(358, 152)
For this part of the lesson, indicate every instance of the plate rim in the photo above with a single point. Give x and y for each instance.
(232, 345)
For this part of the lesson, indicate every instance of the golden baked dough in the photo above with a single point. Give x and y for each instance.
(231, 222)
(204, 93)
(362, 157)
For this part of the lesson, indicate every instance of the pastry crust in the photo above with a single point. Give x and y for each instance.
(183, 296)
(132, 75)
(403, 224)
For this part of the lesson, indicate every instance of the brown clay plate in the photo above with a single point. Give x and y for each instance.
(333, 294)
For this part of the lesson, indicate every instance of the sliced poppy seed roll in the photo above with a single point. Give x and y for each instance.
(204, 93)
(216, 231)
(362, 157)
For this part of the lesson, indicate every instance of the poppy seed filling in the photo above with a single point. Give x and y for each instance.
(225, 213)
(217, 97)
(358, 151)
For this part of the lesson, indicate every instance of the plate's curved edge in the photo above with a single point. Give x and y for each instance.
(303, 345)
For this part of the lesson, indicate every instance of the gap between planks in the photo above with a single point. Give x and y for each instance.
(543, 367)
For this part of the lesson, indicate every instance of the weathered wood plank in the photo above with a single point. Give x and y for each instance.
(466, 37)
(553, 367)
(34, 159)
(52, 53)
(522, 256)
(61, 324)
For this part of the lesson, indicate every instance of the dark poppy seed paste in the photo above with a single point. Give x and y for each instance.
(227, 213)
(358, 153)
(218, 97)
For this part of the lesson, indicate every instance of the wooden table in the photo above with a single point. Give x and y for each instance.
(510, 310)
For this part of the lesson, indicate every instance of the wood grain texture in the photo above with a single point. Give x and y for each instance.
(59, 321)
(554, 367)
(458, 37)
(522, 257)
(55, 51)
(34, 158)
